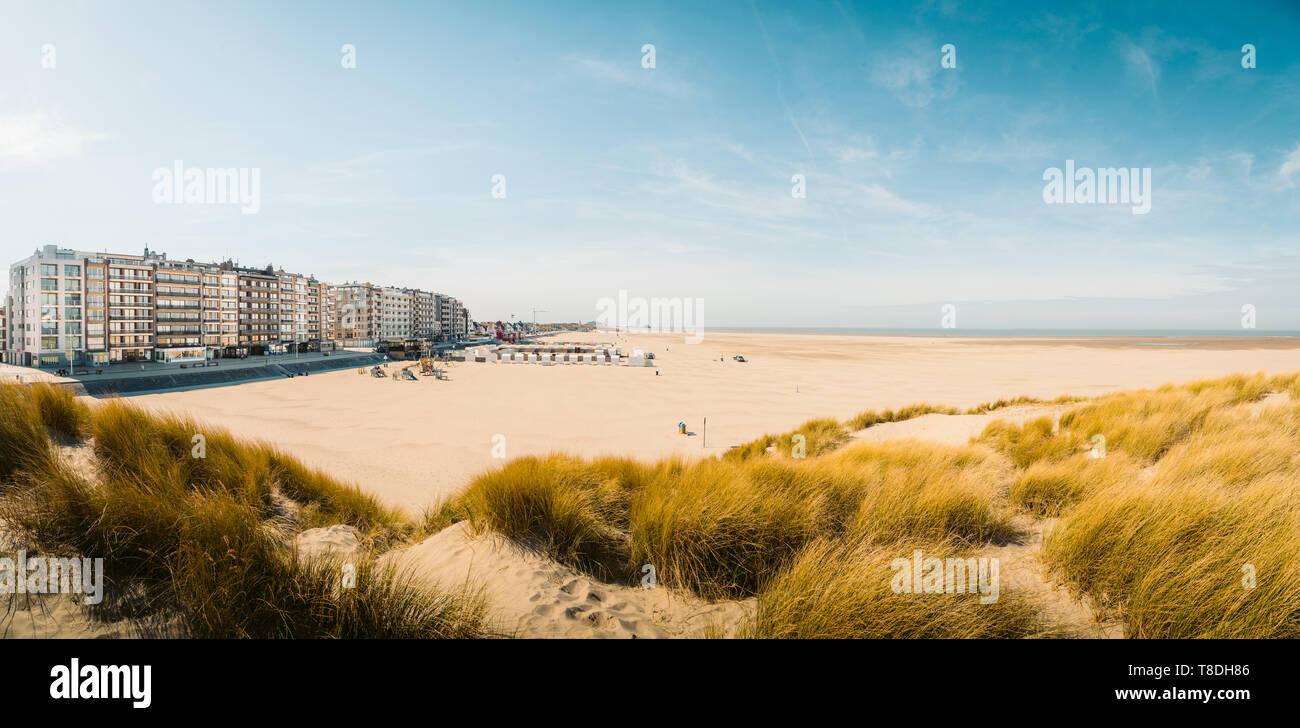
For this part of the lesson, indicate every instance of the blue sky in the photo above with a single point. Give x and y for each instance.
(924, 184)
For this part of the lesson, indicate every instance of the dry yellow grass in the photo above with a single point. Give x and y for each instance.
(1191, 491)
(1047, 489)
(192, 543)
(839, 591)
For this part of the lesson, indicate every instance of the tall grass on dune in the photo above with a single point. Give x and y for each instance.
(1048, 489)
(187, 562)
(869, 418)
(24, 444)
(810, 439)
(1191, 560)
(61, 411)
(192, 547)
(566, 507)
(819, 436)
(839, 591)
(1146, 423)
(1207, 546)
(987, 407)
(1032, 441)
(1190, 485)
(328, 501)
(723, 529)
(913, 489)
(170, 449)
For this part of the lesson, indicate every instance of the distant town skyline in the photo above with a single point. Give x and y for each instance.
(835, 164)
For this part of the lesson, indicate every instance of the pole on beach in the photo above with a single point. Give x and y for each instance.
(704, 441)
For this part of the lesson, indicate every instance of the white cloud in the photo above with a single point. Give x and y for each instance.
(38, 136)
(630, 73)
(1290, 167)
(1142, 65)
(910, 74)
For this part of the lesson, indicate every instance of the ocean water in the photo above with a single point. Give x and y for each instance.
(1003, 333)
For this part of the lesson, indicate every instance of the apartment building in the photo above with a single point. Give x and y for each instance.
(178, 312)
(66, 308)
(395, 321)
(97, 311)
(357, 305)
(424, 314)
(329, 318)
(259, 310)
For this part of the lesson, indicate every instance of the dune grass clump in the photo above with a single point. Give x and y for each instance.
(810, 439)
(569, 508)
(917, 490)
(230, 579)
(752, 449)
(819, 436)
(170, 450)
(191, 539)
(326, 501)
(869, 418)
(1189, 560)
(61, 411)
(1031, 442)
(167, 450)
(724, 529)
(996, 405)
(1146, 423)
(1235, 448)
(1206, 547)
(187, 559)
(1047, 489)
(24, 443)
(840, 591)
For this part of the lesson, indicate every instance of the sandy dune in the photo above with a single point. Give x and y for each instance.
(413, 442)
(533, 596)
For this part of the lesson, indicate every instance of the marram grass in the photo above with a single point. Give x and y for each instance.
(1177, 507)
(195, 546)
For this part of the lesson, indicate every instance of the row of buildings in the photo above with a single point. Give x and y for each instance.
(67, 307)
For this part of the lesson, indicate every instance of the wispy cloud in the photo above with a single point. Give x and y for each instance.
(1141, 65)
(40, 136)
(910, 73)
(630, 73)
(1290, 167)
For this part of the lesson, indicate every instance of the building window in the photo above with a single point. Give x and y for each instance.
(49, 343)
(72, 270)
(49, 270)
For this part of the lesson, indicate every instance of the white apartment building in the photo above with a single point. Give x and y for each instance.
(67, 307)
(47, 308)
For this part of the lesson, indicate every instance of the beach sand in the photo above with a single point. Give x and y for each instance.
(411, 443)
